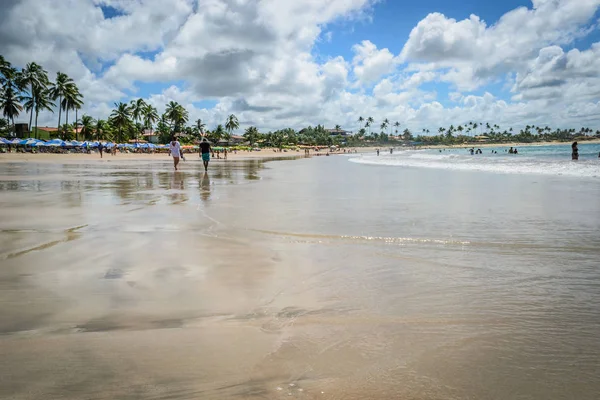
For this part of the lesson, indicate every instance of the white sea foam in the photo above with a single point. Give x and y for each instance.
(498, 163)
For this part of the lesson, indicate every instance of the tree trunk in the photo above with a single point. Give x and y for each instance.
(59, 110)
(76, 135)
(36, 120)
(31, 113)
(67, 124)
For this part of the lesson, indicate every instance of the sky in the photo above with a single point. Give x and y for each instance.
(293, 63)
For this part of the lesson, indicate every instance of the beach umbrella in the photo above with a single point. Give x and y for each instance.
(28, 142)
(56, 142)
(92, 145)
(151, 146)
(4, 141)
(15, 141)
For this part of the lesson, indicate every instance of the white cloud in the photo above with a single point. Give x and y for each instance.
(257, 58)
(478, 53)
(370, 64)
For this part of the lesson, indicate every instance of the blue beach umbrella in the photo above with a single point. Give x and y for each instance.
(4, 141)
(28, 142)
(56, 143)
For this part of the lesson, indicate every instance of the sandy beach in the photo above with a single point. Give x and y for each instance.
(313, 278)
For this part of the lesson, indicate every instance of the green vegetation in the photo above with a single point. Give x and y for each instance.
(30, 90)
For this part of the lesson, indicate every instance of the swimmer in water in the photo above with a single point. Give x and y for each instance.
(574, 152)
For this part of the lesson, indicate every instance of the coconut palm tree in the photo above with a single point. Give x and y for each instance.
(33, 77)
(360, 121)
(370, 122)
(10, 103)
(217, 134)
(387, 123)
(137, 108)
(338, 128)
(251, 135)
(397, 125)
(43, 102)
(231, 124)
(172, 113)
(87, 126)
(150, 116)
(100, 129)
(72, 100)
(200, 126)
(59, 89)
(120, 118)
(5, 70)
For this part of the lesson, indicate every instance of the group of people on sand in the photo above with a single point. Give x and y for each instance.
(176, 152)
(112, 150)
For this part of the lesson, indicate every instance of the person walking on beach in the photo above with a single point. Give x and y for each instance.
(175, 149)
(100, 148)
(205, 152)
(225, 153)
(574, 151)
(377, 151)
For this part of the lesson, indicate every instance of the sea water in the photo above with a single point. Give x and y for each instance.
(546, 160)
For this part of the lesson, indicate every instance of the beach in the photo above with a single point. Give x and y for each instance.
(346, 277)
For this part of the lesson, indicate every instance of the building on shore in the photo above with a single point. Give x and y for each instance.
(150, 135)
(339, 132)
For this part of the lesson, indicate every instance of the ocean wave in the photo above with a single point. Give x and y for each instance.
(499, 163)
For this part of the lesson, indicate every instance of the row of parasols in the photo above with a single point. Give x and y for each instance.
(74, 143)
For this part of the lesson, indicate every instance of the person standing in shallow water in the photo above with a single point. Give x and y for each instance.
(175, 149)
(574, 151)
(205, 152)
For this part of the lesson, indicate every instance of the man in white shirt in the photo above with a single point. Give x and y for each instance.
(175, 149)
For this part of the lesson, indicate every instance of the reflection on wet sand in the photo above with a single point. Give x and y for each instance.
(282, 280)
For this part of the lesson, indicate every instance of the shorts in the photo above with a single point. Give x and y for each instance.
(205, 156)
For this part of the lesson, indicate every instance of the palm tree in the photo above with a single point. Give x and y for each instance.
(120, 118)
(5, 70)
(87, 126)
(150, 116)
(72, 100)
(370, 122)
(137, 108)
(172, 113)
(200, 126)
(386, 122)
(217, 134)
(251, 135)
(10, 103)
(397, 125)
(43, 102)
(231, 124)
(33, 77)
(59, 89)
(100, 129)
(338, 128)
(361, 120)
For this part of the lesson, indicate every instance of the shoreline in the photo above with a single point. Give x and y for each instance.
(265, 154)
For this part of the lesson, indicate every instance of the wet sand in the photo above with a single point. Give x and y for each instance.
(312, 279)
